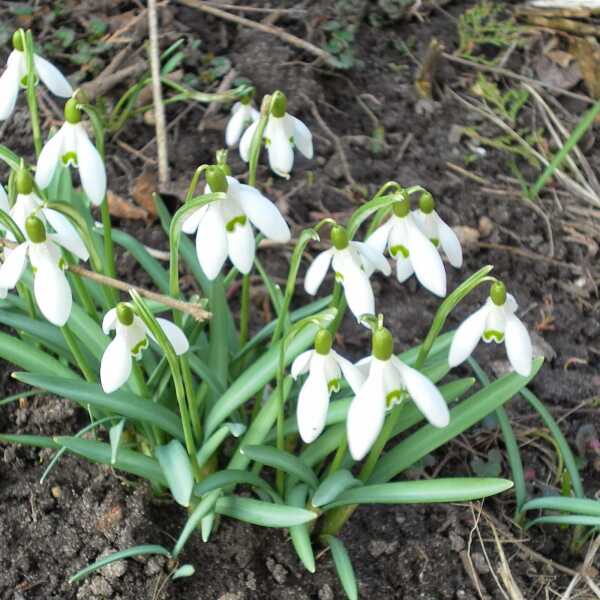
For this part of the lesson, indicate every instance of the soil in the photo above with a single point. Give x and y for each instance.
(82, 511)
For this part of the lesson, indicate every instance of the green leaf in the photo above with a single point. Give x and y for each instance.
(177, 469)
(343, 566)
(115, 556)
(121, 402)
(216, 439)
(584, 520)
(464, 415)
(284, 461)
(183, 571)
(232, 477)
(334, 485)
(114, 434)
(206, 505)
(24, 439)
(127, 460)
(300, 534)
(9, 157)
(582, 506)
(265, 514)
(454, 489)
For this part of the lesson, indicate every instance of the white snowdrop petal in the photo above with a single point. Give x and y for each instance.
(426, 261)
(467, 336)
(91, 167)
(175, 335)
(301, 363)
(235, 125)
(53, 294)
(66, 234)
(364, 365)
(281, 153)
(379, 238)
(211, 242)
(450, 243)
(352, 373)
(316, 272)
(518, 346)
(4, 200)
(49, 158)
(190, 224)
(24, 206)
(313, 402)
(9, 84)
(263, 214)
(241, 247)
(13, 266)
(110, 320)
(53, 79)
(246, 141)
(404, 268)
(115, 366)
(376, 259)
(358, 292)
(425, 394)
(302, 137)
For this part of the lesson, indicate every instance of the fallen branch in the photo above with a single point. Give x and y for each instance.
(271, 29)
(194, 310)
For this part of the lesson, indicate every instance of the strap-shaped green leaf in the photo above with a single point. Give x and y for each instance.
(343, 566)
(265, 514)
(582, 506)
(233, 477)
(177, 469)
(300, 534)
(334, 485)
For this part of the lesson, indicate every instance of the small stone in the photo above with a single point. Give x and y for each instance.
(326, 593)
(100, 587)
(486, 226)
(154, 565)
(56, 491)
(456, 542)
(232, 596)
(277, 570)
(379, 547)
(115, 570)
(467, 236)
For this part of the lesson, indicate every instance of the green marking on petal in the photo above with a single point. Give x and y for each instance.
(395, 397)
(339, 277)
(334, 385)
(399, 248)
(62, 264)
(267, 141)
(136, 351)
(435, 242)
(239, 220)
(493, 335)
(70, 158)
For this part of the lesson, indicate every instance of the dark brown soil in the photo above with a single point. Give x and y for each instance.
(49, 531)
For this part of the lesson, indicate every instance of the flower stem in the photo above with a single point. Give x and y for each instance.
(77, 354)
(34, 114)
(245, 311)
(110, 269)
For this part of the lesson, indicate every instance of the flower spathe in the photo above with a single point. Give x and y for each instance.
(411, 249)
(16, 71)
(325, 368)
(242, 116)
(387, 382)
(224, 227)
(72, 146)
(495, 322)
(131, 337)
(353, 264)
(282, 134)
(50, 286)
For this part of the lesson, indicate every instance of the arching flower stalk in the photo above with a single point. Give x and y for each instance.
(223, 228)
(71, 146)
(15, 74)
(495, 322)
(131, 337)
(353, 264)
(325, 368)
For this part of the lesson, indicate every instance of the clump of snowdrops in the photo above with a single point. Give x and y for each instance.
(315, 434)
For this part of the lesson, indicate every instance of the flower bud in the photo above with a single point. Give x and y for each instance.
(402, 207)
(17, 40)
(35, 229)
(323, 342)
(215, 177)
(383, 344)
(24, 182)
(124, 314)
(339, 237)
(426, 203)
(72, 113)
(498, 293)
(278, 104)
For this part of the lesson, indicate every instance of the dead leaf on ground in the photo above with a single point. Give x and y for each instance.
(553, 74)
(587, 52)
(560, 57)
(123, 209)
(143, 188)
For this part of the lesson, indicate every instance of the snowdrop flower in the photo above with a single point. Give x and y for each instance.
(353, 264)
(324, 367)
(4, 200)
(282, 133)
(71, 146)
(410, 248)
(131, 337)
(223, 227)
(494, 321)
(28, 203)
(16, 72)
(387, 383)
(438, 233)
(243, 114)
(50, 286)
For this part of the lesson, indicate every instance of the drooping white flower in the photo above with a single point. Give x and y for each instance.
(353, 264)
(243, 114)
(282, 134)
(50, 286)
(387, 383)
(410, 248)
(495, 322)
(4, 200)
(325, 368)
(439, 233)
(28, 203)
(72, 146)
(131, 337)
(15, 76)
(224, 227)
